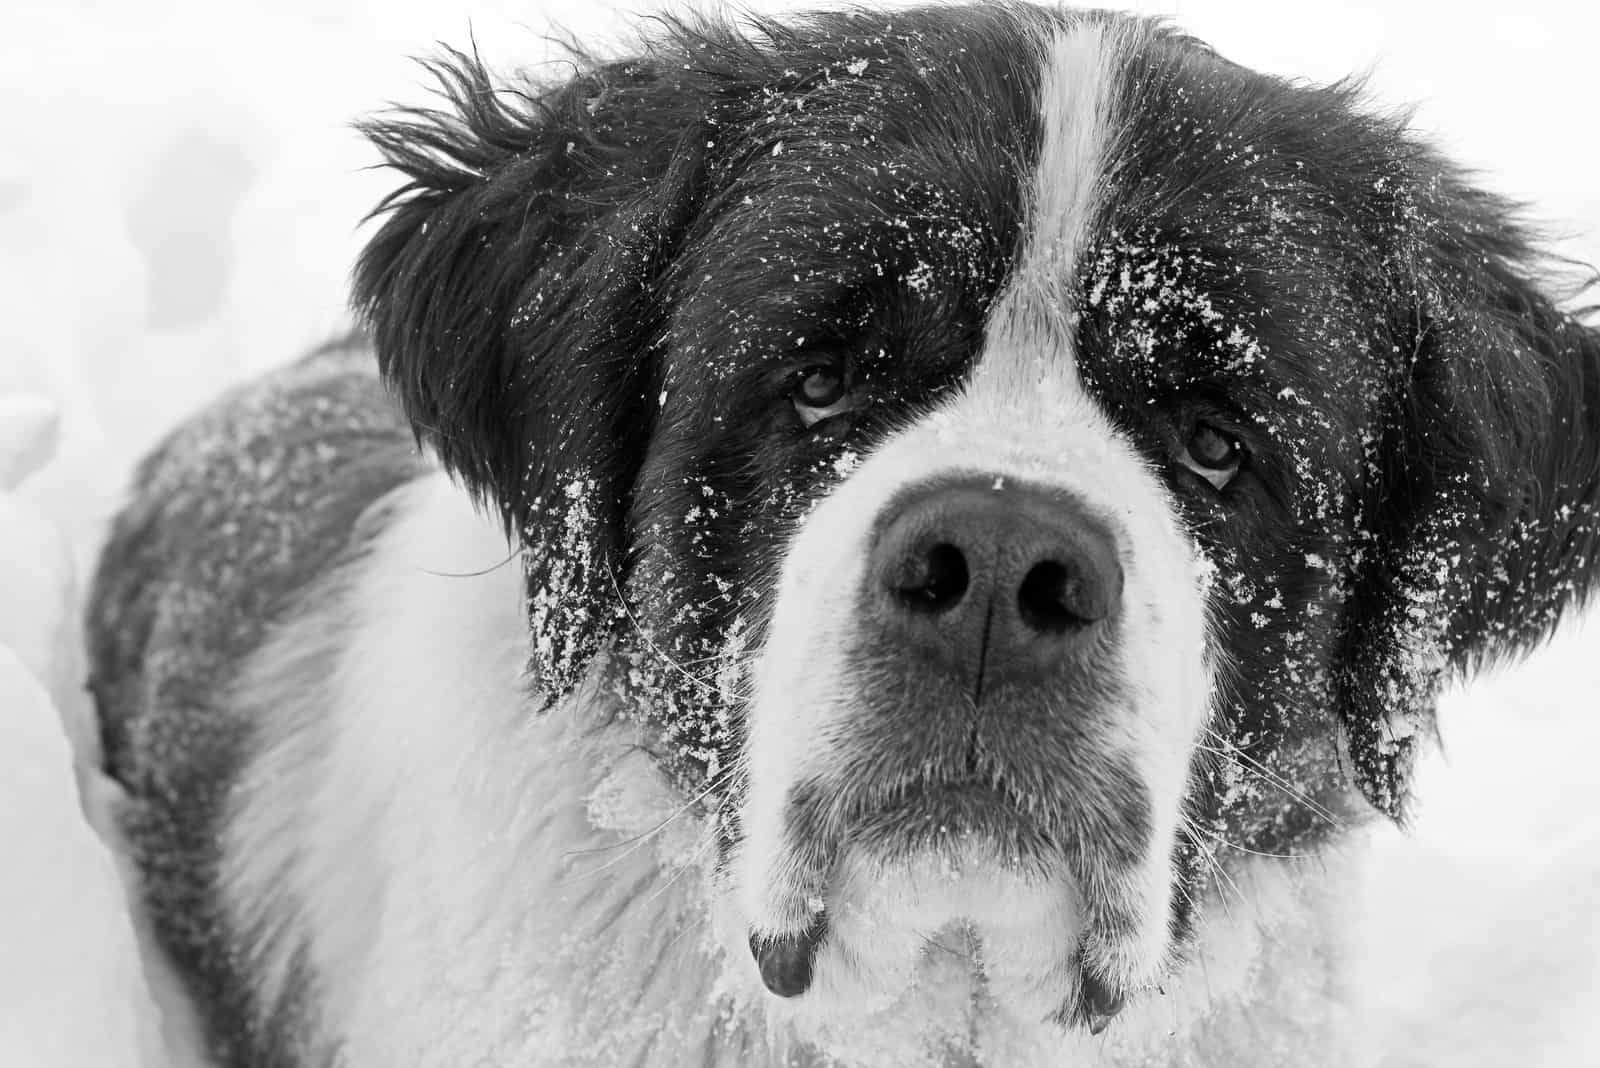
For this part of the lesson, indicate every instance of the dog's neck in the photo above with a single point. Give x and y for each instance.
(554, 905)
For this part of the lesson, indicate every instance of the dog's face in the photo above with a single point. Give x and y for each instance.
(1003, 454)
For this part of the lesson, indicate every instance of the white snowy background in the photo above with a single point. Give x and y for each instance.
(179, 198)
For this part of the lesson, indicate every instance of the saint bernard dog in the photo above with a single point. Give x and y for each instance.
(932, 533)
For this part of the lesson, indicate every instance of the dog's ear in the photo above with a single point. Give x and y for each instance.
(1481, 526)
(510, 291)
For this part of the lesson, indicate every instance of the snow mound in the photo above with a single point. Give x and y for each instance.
(78, 995)
(29, 431)
(36, 570)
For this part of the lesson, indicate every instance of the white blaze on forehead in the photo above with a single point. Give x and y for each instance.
(1031, 329)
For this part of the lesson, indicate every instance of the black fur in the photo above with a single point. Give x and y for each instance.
(1486, 515)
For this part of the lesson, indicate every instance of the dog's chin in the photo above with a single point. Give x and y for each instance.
(941, 907)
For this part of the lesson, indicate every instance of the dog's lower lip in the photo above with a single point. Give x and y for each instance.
(1100, 1003)
(930, 812)
(786, 960)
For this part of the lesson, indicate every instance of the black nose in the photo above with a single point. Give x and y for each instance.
(994, 577)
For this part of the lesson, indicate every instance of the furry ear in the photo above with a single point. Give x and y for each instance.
(1484, 522)
(509, 291)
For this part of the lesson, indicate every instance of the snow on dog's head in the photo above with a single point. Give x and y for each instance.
(1003, 454)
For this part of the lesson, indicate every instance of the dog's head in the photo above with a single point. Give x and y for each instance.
(1001, 453)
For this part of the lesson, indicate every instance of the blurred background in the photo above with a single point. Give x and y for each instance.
(180, 200)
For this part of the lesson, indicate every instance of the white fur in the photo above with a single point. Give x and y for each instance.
(425, 833)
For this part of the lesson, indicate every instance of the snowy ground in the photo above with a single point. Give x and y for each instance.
(178, 205)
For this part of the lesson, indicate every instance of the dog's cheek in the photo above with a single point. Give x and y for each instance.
(1277, 612)
(801, 677)
(1168, 655)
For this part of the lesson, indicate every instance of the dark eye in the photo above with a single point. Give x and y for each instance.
(821, 393)
(1213, 454)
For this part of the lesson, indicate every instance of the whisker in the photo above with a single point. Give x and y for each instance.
(1250, 764)
(512, 555)
(691, 861)
(1188, 897)
(718, 781)
(650, 644)
(1260, 853)
(1219, 874)
(1211, 836)
(637, 842)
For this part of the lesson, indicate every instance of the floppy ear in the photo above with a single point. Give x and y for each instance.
(509, 292)
(1482, 527)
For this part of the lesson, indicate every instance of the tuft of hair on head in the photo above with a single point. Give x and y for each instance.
(508, 290)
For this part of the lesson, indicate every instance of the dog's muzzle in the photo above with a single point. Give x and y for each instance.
(984, 639)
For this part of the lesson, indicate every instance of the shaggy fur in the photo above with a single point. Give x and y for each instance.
(934, 531)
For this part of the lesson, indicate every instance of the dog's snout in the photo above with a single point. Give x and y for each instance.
(1006, 577)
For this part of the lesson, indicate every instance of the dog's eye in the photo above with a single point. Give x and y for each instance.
(1213, 454)
(821, 393)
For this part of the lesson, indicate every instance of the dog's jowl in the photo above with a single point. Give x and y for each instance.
(915, 512)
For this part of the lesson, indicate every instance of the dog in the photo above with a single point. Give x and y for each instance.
(933, 532)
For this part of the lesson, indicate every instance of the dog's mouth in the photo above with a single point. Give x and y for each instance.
(929, 853)
(951, 816)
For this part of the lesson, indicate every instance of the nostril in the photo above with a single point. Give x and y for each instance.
(934, 580)
(1049, 599)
